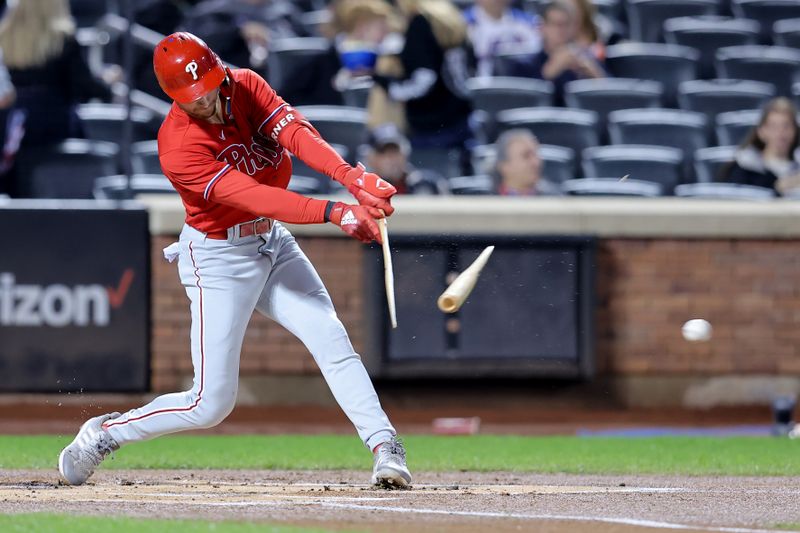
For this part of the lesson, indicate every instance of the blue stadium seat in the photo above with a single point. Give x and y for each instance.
(646, 17)
(118, 187)
(66, 169)
(491, 95)
(144, 158)
(611, 187)
(732, 127)
(471, 185)
(604, 95)
(766, 12)
(685, 130)
(713, 97)
(787, 33)
(339, 124)
(307, 185)
(708, 162)
(669, 64)
(105, 122)
(771, 64)
(658, 164)
(573, 128)
(293, 54)
(724, 191)
(708, 34)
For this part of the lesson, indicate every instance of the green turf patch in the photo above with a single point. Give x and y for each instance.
(46, 523)
(740, 456)
(788, 527)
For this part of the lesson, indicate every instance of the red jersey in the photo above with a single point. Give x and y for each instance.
(235, 171)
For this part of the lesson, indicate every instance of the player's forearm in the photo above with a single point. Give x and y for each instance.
(271, 202)
(315, 152)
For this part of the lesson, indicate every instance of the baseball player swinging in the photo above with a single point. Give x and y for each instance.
(224, 148)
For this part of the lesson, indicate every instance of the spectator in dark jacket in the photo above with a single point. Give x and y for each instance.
(562, 58)
(37, 38)
(387, 156)
(435, 60)
(769, 156)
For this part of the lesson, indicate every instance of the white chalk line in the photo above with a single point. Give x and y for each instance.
(324, 502)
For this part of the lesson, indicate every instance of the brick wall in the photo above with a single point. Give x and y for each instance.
(749, 290)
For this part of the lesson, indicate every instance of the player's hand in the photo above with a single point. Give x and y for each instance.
(358, 221)
(370, 189)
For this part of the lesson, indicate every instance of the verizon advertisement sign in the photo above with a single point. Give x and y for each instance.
(74, 299)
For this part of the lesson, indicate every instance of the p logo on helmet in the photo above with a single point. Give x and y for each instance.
(192, 67)
(182, 53)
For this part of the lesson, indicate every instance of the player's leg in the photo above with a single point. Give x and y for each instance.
(296, 298)
(222, 283)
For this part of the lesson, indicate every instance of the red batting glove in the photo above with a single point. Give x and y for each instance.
(370, 189)
(358, 221)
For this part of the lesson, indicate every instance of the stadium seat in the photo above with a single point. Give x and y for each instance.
(314, 21)
(708, 162)
(492, 95)
(732, 127)
(288, 56)
(444, 161)
(713, 97)
(646, 17)
(558, 162)
(66, 169)
(708, 34)
(685, 130)
(471, 185)
(669, 64)
(509, 57)
(766, 12)
(658, 164)
(771, 64)
(299, 168)
(610, 187)
(144, 158)
(307, 185)
(573, 128)
(105, 122)
(356, 94)
(787, 33)
(796, 93)
(604, 95)
(724, 191)
(339, 124)
(117, 187)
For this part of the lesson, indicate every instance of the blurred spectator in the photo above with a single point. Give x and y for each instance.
(435, 60)
(562, 59)
(586, 32)
(240, 30)
(387, 156)
(360, 27)
(769, 156)
(492, 23)
(37, 38)
(518, 169)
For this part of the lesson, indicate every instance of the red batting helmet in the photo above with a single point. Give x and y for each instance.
(186, 68)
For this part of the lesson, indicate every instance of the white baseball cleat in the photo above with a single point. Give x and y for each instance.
(92, 444)
(390, 470)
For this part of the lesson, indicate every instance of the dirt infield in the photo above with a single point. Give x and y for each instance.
(462, 502)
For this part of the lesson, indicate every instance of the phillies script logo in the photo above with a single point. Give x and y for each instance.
(59, 305)
(263, 152)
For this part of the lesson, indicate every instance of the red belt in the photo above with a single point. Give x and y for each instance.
(245, 229)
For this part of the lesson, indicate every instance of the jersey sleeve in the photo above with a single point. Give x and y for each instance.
(218, 182)
(194, 170)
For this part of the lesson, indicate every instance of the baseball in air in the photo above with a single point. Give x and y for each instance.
(697, 330)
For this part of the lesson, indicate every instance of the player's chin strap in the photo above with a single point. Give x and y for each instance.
(226, 90)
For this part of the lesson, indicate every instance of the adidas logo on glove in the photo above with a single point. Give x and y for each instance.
(349, 218)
